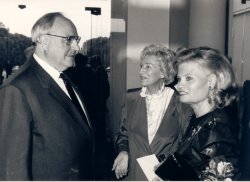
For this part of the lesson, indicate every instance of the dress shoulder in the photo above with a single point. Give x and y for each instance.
(223, 117)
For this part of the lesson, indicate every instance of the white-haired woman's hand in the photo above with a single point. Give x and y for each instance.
(120, 165)
(157, 178)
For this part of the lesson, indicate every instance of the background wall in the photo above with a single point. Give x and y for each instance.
(241, 40)
(118, 56)
(148, 22)
(179, 24)
(208, 23)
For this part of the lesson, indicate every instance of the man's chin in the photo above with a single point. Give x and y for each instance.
(71, 63)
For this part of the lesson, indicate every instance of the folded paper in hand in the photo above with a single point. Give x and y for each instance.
(147, 164)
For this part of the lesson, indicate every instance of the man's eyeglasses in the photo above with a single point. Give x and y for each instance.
(68, 39)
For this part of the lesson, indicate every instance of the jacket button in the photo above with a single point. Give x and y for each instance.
(74, 170)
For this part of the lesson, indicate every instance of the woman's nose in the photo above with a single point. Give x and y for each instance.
(179, 85)
(141, 70)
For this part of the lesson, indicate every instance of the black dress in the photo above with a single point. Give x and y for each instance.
(209, 150)
(213, 148)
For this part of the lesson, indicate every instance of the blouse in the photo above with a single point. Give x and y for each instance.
(156, 107)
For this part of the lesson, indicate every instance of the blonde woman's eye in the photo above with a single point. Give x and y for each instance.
(188, 78)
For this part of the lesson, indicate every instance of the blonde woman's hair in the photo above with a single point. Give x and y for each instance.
(226, 89)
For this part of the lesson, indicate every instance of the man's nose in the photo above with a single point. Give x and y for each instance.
(75, 45)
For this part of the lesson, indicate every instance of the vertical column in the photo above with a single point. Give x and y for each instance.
(118, 55)
(208, 23)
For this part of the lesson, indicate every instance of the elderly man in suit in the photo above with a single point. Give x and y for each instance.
(44, 135)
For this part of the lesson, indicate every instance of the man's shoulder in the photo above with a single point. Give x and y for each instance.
(18, 76)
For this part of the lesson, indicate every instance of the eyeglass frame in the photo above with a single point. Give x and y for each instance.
(69, 39)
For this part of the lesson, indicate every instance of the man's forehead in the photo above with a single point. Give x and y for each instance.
(63, 24)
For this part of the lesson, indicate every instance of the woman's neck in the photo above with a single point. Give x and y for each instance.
(154, 89)
(202, 108)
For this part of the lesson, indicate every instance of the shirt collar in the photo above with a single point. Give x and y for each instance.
(144, 92)
(54, 73)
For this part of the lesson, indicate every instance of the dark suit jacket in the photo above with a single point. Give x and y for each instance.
(133, 135)
(245, 138)
(42, 134)
(83, 77)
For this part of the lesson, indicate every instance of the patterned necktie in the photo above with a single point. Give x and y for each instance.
(72, 94)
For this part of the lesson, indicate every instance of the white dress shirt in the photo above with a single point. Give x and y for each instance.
(55, 74)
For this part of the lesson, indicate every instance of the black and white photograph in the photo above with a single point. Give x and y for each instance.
(124, 90)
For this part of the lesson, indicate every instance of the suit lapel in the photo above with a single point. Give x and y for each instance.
(82, 101)
(143, 118)
(57, 93)
(139, 119)
(171, 107)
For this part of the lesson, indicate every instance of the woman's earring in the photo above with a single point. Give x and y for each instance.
(210, 88)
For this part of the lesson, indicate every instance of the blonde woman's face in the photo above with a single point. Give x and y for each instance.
(193, 83)
(150, 72)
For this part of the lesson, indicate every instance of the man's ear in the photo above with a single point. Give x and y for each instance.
(43, 40)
